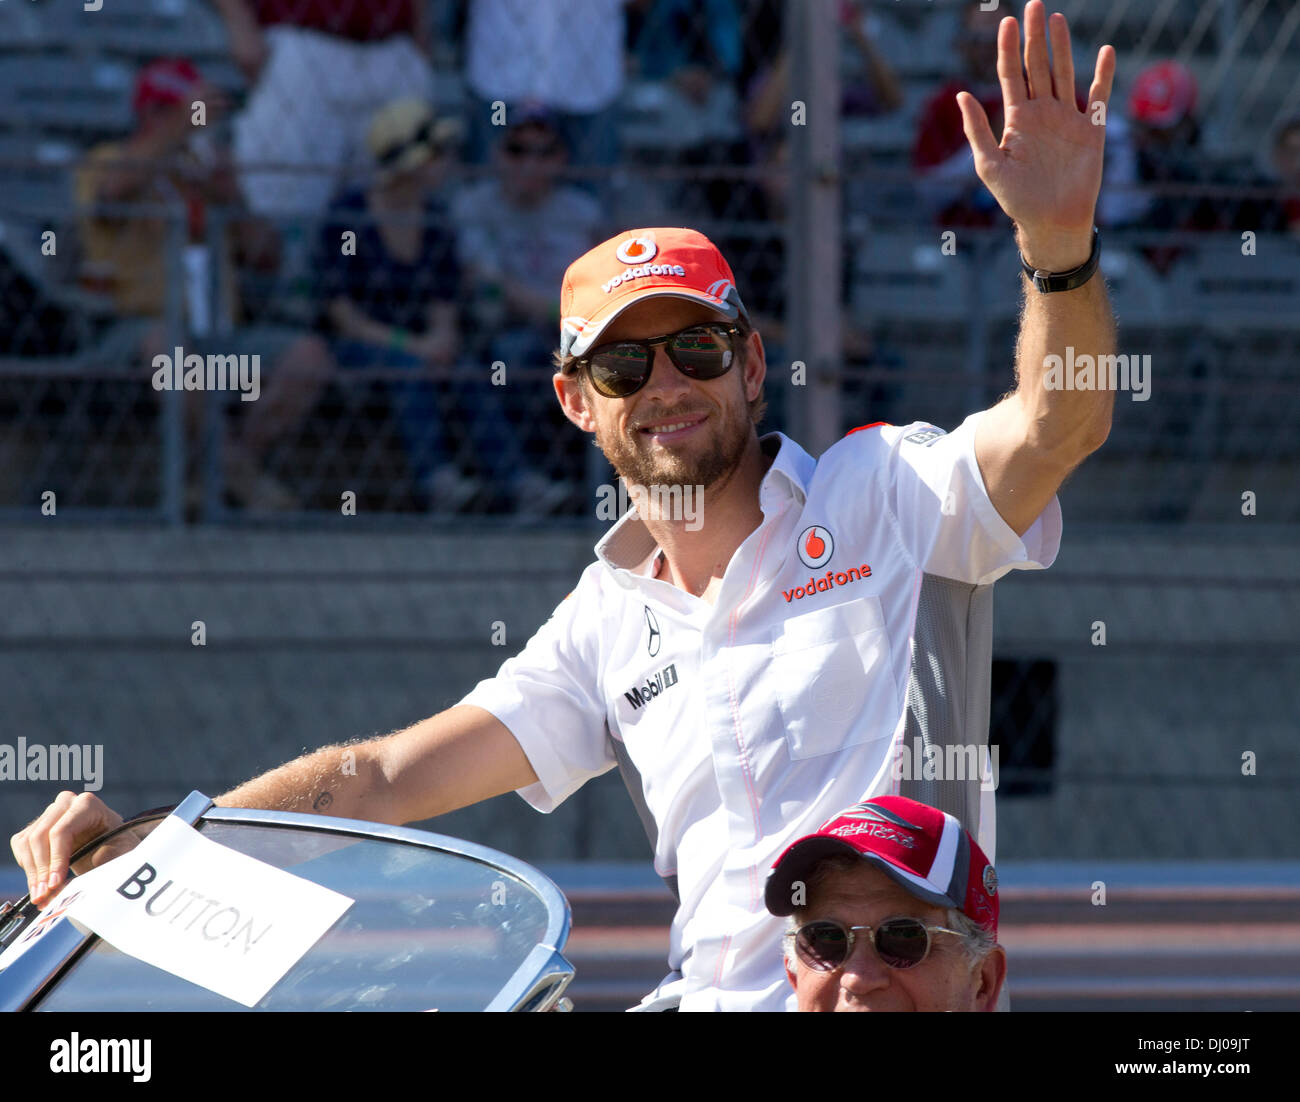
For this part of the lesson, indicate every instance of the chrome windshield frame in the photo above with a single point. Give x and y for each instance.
(540, 979)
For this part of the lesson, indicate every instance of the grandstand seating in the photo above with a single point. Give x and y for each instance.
(1217, 285)
(66, 93)
(1214, 317)
(907, 276)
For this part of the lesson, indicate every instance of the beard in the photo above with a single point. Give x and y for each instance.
(640, 463)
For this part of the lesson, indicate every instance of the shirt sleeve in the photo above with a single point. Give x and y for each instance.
(548, 696)
(945, 518)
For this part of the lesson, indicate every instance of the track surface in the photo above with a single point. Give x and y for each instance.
(1171, 937)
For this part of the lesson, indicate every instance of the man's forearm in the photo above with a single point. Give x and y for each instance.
(1045, 173)
(1029, 442)
(345, 781)
(1063, 423)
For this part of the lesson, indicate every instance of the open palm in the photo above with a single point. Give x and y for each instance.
(1046, 171)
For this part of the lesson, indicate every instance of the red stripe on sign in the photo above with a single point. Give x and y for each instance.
(860, 428)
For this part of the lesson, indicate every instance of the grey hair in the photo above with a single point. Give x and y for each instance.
(976, 941)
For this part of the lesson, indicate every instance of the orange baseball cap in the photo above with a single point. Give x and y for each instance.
(640, 264)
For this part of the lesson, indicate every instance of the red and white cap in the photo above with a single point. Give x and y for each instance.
(924, 850)
(1163, 95)
(166, 82)
(640, 264)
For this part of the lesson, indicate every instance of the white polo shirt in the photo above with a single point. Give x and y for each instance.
(754, 719)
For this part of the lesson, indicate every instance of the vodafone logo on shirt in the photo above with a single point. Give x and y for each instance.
(830, 580)
(815, 547)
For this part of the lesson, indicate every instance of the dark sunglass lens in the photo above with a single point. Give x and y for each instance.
(703, 352)
(902, 943)
(823, 945)
(619, 370)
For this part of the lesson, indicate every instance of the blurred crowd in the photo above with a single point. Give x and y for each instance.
(439, 239)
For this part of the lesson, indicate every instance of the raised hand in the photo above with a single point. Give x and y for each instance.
(1046, 171)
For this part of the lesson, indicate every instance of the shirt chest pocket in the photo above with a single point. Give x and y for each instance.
(834, 678)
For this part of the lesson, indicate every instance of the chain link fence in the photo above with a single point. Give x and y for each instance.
(365, 227)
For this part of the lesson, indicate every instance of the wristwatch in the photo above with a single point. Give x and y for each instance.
(1047, 282)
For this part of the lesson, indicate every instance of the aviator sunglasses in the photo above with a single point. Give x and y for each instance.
(621, 368)
(824, 945)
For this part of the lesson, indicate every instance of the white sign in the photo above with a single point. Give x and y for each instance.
(201, 911)
(56, 908)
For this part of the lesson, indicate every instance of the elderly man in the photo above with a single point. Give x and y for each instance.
(894, 907)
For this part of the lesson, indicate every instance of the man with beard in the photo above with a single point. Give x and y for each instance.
(749, 661)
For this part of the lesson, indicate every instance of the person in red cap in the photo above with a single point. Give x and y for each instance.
(1166, 136)
(1183, 187)
(740, 649)
(893, 906)
(1164, 96)
(170, 163)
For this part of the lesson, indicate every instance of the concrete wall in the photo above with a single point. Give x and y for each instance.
(316, 637)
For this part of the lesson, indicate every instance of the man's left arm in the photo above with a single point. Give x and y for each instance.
(1046, 174)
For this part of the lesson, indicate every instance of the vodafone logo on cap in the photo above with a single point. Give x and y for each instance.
(815, 547)
(636, 250)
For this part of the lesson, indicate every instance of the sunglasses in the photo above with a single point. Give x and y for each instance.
(825, 945)
(425, 136)
(621, 368)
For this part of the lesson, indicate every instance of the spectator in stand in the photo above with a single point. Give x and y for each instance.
(870, 88)
(689, 43)
(687, 58)
(1286, 163)
(1167, 135)
(1183, 187)
(691, 50)
(517, 233)
(759, 202)
(391, 287)
(941, 157)
(167, 162)
(566, 55)
(320, 69)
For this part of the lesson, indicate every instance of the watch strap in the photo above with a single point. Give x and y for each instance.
(1047, 282)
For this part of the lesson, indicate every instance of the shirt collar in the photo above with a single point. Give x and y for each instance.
(628, 548)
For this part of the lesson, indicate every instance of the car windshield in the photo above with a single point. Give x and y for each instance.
(429, 930)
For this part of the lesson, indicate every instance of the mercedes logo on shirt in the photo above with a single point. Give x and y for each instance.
(652, 637)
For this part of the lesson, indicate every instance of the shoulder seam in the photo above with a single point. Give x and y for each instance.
(873, 425)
